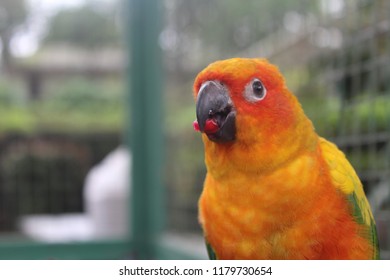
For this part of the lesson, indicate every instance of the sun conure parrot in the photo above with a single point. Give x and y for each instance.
(274, 189)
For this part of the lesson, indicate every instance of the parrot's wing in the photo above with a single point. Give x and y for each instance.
(347, 181)
(210, 251)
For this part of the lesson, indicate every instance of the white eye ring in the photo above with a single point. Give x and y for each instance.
(255, 91)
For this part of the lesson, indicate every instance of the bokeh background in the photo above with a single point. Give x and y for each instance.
(65, 158)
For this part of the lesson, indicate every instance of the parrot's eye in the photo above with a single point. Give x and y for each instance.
(258, 88)
(255, 91)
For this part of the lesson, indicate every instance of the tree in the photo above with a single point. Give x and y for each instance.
(13, 14)
(84, 27)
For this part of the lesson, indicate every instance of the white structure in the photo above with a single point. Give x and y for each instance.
(106, 195)
(106, 200)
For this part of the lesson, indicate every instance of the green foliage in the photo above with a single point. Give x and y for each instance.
(16, 119)
(365, 159)
(367, 115)
(363, 116)
(87, 96)
(8, 94)
(323, 112)
(82, 105)
(77, 105)
(14, 114)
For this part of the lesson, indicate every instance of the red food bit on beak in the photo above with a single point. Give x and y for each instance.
(195, 124)
(211, 126)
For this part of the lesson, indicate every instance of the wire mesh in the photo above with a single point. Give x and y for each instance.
(335, 57)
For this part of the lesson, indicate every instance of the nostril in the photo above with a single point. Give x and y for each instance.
(223, 112)
(227, 109)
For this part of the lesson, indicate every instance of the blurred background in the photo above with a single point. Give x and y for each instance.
(65, 160)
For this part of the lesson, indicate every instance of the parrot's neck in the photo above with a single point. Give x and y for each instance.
(262, 156)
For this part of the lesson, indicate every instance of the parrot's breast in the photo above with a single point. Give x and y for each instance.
(293, 212)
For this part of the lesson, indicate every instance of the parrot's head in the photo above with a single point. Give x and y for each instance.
(247, 115)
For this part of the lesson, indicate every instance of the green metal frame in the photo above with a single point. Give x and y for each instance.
(145, 83)
(144, 136)
(27, 250)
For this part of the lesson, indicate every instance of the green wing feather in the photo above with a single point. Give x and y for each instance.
(210, 251)
(347, 181)
(357, 213)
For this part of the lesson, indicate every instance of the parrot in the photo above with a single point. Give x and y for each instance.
(274, 188)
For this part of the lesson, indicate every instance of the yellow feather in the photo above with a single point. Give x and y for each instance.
(345, 177)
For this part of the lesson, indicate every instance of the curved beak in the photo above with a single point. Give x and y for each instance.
(215, 112)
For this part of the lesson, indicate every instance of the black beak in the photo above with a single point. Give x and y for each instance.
(215, 112)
